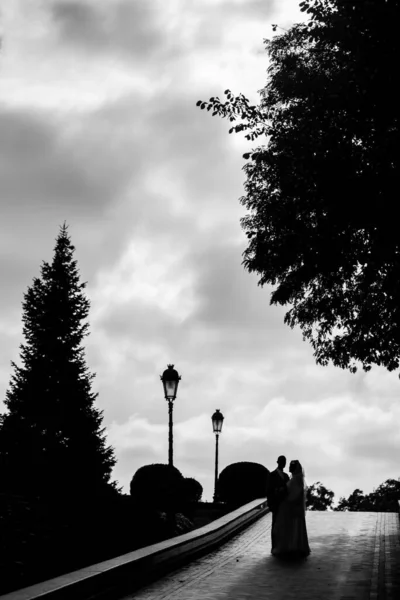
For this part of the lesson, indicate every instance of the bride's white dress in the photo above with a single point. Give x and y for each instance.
(290, 531)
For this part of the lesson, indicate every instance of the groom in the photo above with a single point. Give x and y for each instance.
(276, 490)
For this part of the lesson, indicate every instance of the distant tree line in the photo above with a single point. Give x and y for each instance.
(385, 498)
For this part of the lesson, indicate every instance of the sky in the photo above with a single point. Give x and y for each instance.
(100, 129)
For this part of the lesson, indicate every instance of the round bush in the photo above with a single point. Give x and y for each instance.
(158, 487)
(193, 490)
(242, 482)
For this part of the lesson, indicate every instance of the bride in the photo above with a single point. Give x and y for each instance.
(290, 531)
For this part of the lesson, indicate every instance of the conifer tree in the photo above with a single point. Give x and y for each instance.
(51, 438)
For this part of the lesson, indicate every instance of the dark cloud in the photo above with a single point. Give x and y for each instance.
(46, 178)
(41, 169)
(125, 27)
(35, 171)
(141, 31)
(79, 20)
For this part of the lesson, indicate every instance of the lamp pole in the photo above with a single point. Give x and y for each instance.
(216, 466)
(170, 434)
(217, 420)
(170, 379)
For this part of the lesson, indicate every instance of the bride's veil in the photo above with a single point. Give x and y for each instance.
(304, 479)
(301, 474)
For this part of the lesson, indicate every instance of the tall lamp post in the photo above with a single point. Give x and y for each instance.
(170, 379)
(217, 420)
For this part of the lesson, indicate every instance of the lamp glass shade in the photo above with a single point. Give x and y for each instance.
(170, 379)
(217, 420)
(170, 389)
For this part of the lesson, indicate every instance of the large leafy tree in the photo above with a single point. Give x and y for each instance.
(319, 497)
(51, 438)
(321, 191)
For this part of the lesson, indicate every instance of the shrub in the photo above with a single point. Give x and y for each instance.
(242, 482)
(158, 487)
(193, 490)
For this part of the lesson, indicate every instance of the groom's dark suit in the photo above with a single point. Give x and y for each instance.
(276, 492)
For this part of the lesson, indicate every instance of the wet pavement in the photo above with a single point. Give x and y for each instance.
(354, 556)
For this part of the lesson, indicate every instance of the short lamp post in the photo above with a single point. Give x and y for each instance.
(170, 379)
(217, 420)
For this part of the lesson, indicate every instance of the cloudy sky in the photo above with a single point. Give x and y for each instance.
(99, 127)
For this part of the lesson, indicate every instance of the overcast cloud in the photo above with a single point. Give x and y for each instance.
(100, 129)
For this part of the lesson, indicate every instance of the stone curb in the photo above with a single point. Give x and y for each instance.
(126, 573)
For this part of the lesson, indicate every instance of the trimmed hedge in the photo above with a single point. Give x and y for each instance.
(158, 487)
(242, 482)
(193, 490)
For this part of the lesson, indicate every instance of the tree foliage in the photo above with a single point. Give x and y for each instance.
(318, 497)
(385, 498)
(242, 482)
(51, 439)
(321, 191)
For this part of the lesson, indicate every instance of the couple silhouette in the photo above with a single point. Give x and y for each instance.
(286, 498)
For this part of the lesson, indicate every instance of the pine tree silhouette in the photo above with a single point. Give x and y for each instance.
(51, 438)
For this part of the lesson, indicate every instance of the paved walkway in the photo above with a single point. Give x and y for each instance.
(354, 556)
